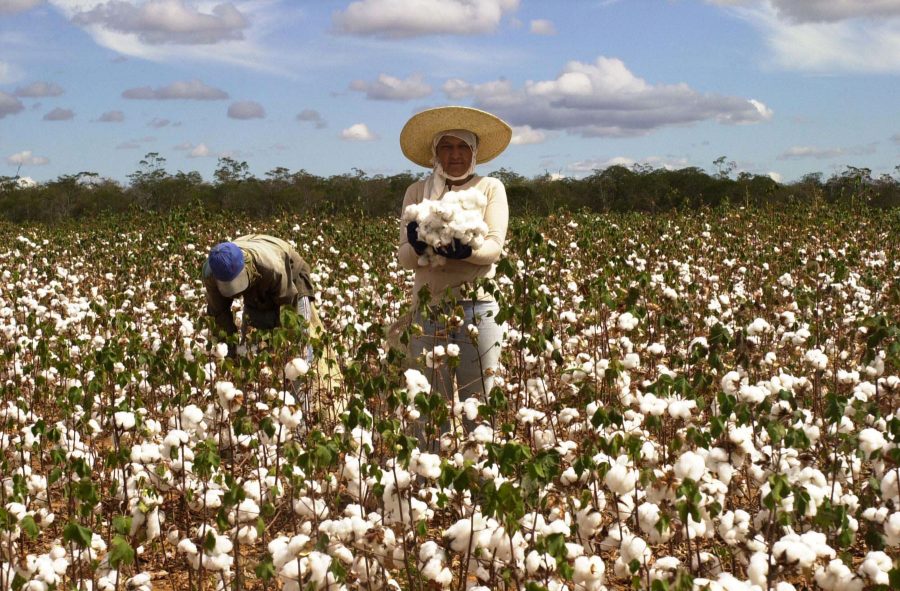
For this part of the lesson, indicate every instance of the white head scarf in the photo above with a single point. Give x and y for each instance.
(437, 180)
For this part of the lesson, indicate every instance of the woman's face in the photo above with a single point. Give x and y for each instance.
(454, 154)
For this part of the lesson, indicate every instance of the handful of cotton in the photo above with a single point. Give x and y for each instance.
(458, 215)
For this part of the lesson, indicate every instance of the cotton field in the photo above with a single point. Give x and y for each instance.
(707, 400)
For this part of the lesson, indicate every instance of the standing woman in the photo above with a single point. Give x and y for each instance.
(451, 141)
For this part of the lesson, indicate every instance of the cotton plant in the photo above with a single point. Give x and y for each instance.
(721, 374)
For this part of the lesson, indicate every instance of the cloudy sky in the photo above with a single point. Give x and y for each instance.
(781, 87)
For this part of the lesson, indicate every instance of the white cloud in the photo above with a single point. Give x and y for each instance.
(590, 165)
(8, 72)
(399, 18)
(526, 135)
(14, 6)
(817, 11)
(543, 26)
(159, 22)
(112, 117)
(833, 36)
(802, 152)
(776, 176)
(199, 151)
(246, 110)
(26, 158)
(9, 105)
(604, 98)
(189, 90)
(358, 133)
(389, 88)
(163, 40)
(312, 116)
(60, 114)
(158, 122)
(456, 88)
(39, 89)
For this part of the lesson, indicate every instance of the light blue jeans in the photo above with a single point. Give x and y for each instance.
(471, 374)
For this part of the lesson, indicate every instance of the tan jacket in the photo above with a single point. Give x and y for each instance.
(278, 277)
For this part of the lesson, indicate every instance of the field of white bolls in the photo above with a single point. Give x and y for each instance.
(705, 400)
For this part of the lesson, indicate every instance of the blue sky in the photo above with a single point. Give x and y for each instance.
(781, 87)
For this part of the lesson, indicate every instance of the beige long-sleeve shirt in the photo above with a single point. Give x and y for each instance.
(455, 273)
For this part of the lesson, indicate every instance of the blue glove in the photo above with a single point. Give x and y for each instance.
(457, 250)
(412, 236)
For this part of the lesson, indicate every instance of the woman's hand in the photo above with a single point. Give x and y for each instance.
(412, 236)
(457, 250)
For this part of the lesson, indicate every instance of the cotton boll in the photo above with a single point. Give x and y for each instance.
(731, 382)
(536, 561)
(734, 526)
(836, 576)
(589, 573)
(125, 420)
(751, 394)
(758, 570)
(681, 409)
(145, 453)
(690, 465)
(416, 382)
(648, 518)
(627, 322)
(295, 368)
(892, 530)
(588, 522)
(426, 465)
(871, 440)
(758, 327)
(620, 480)
(816, 358)
(876, 567)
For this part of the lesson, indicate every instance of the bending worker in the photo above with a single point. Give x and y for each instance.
(266, 271)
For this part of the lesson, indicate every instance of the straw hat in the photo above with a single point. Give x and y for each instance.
(418, 133)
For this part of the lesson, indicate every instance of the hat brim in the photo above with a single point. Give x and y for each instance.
(235, 286)
(416, 136)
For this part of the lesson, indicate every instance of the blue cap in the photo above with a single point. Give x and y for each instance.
(226, 262)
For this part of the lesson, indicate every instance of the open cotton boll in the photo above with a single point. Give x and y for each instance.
(648, 518)
(871, 440)
(295, 368)
(416, 382)
(125, 420)
(876, 567)
(536, 561)
(837, 576)
(690, 465)
(426, 465)
(589, 573)
(620, 480)
(802, 550)
(892, 530)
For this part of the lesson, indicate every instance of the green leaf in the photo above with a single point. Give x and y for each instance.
(120, 552)
(265, 570)
(209, 542)
(30, 528)
(77, 534)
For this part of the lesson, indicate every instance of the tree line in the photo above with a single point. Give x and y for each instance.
(616, 188)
